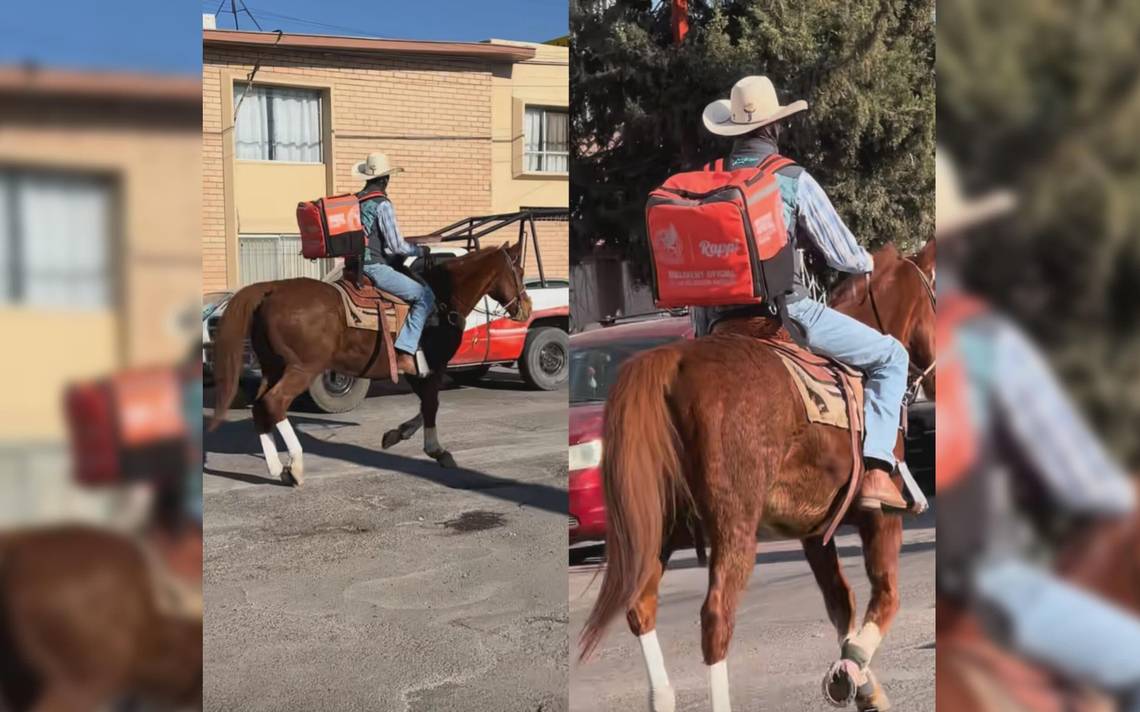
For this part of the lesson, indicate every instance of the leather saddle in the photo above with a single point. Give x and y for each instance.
(831, 392)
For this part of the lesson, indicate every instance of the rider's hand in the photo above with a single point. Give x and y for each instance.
(425, 250)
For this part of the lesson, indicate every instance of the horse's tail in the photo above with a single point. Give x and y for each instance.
(641, 473)
(230, 345)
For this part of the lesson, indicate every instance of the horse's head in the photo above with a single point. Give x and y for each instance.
(507, 286)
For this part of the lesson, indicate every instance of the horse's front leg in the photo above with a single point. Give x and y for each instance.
(402, 432)
(882, 542)
(428, 391)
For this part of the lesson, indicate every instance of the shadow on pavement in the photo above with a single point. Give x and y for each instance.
(237, 438)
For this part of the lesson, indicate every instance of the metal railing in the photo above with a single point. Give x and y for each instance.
(262, 258)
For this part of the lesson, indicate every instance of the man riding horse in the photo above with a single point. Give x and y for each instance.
(386, 251)
(753, 114)
(1008, 426)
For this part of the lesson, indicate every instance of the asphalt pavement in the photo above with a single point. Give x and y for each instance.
(783, 643)
(387, 583)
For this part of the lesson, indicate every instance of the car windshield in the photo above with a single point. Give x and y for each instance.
(594, 369)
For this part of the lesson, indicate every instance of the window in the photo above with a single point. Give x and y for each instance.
(277, 124)
(55, 240)
(546, 144)
(263, 258)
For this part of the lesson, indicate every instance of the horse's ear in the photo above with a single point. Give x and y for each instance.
(514, 249)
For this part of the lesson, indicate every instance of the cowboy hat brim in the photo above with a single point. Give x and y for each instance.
(717, 117)
(357, 171)
(976, 212)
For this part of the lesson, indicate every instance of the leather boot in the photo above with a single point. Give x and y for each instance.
(878, 492)
(406, 364)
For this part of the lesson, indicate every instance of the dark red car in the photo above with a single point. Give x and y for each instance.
(595, 357)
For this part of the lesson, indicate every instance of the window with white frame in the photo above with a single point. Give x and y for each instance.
(55, 240)
(277, 123)
(546, 140)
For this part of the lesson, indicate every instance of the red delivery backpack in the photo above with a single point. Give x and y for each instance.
(956, 447)
(331, 227)
(717, 236)
(127, 427)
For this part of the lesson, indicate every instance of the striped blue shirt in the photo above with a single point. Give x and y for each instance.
(1052, 436)
(817, 220)
(385, 242)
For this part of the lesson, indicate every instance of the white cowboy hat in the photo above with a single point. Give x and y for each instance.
(953, 211)
(752, 104)
(375, 166)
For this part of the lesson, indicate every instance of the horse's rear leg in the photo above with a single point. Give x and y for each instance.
(730, 564)
(643, 623)
(274, 405)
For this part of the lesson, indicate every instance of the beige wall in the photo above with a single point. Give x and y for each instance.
(541, 81)
(430, 114)
(155, 257)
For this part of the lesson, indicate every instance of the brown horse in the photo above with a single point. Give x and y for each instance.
(978, 674)
(745, 461)
(298, 331)
(81, 626)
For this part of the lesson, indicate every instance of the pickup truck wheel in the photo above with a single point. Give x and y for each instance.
(337, 393)
(468, 376)
(545, 360)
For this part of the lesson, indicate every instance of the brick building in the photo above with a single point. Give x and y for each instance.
(479, 127)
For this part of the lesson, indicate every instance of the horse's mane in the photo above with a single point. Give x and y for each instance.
(853, 287)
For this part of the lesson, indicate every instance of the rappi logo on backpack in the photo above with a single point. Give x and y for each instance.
(718, 250)
(667, 246)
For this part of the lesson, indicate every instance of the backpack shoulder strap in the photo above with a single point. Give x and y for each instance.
(374, 195)
(715, 166)
(775, 162)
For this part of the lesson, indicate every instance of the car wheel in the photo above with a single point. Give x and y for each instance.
(545, 361)
(468, 376)
(337, 393)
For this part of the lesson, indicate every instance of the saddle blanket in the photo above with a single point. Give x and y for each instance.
(822, 388)
(360, 307)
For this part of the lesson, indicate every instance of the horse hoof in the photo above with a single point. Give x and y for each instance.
(288, 478)
(872, 697)
(446, 460)
(841, 683)
(390, 438)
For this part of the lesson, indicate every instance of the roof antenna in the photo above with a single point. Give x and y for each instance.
(235, 11)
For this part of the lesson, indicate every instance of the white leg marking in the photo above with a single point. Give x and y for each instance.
(661, 695)
(293, 445)
(868, 639)
(431, 442)
(272, 461)
(718, 686)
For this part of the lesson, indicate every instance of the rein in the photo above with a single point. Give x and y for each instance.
(519, 290)
(915, 383)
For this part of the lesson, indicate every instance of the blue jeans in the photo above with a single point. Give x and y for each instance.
(1066, 628)
(419, 298)
(880, 357)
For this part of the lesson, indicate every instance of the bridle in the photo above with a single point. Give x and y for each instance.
(520, 288)
(916, 382)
